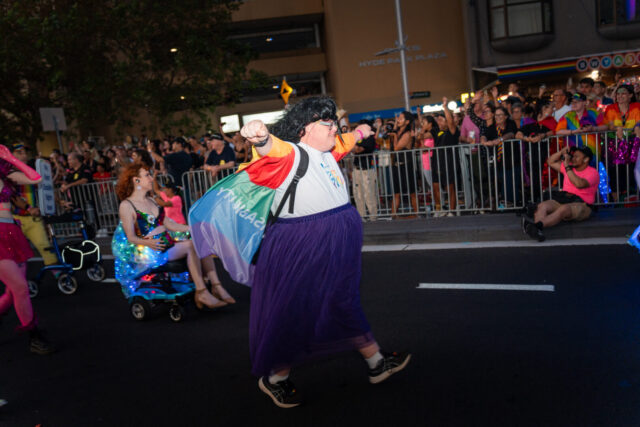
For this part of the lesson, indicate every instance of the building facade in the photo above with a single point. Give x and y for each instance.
(551, 40)
(329, 47)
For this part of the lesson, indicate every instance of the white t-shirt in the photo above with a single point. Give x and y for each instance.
(560, 112)
(322, 188)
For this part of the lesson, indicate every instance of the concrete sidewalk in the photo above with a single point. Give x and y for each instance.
(492, 227)
(607, 222)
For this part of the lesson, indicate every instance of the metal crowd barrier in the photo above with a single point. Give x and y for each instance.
(475, 178)
(429, 182)
(196, 183)
(95, 198)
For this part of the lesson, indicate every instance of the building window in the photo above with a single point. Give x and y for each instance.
(618, 12)
(281, 40)
(515, 18)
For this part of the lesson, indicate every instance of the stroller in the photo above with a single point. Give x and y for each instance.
(168, 284)
(73, 255)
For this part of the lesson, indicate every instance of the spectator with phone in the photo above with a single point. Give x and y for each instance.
(574, 203)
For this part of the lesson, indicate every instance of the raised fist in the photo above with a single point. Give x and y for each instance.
(255, 131)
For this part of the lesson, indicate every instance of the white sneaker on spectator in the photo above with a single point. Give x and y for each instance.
(450, 214)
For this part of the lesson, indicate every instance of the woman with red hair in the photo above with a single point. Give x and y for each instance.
(142, 241)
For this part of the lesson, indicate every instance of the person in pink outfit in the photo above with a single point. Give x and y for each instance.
(15, 251)
(169, 198)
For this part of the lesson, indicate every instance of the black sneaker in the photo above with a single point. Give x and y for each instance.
(535, 232)
(389, 365)
(283, 393)
(39, 344)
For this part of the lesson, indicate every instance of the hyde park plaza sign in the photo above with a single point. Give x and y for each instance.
(410, 58)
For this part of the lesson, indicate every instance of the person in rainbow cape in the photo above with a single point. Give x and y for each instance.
(579, 125)
(305, 300)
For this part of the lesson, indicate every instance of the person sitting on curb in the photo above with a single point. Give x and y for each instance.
(580, 184)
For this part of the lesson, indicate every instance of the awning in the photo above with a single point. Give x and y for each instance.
(594, 61)
(530, 70)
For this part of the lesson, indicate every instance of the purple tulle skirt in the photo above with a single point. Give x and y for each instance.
(305, 298)
(13, 243)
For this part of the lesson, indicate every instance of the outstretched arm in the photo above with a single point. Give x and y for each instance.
(447, 114)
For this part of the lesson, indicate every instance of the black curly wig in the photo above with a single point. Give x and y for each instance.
(291, 126)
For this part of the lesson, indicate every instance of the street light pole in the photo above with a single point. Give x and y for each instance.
(403, 63)
(400, 47)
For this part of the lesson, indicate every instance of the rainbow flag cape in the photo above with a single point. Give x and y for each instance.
(229, 221)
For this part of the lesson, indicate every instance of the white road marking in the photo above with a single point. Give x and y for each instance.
(109, 281)
(497, 244)
(487, 286)
(40, 258)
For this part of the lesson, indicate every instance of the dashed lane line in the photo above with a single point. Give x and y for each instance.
(496, 244)
(487, 286)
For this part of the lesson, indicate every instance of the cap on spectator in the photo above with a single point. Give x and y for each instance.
(579, 96)
(628, 88)
(216, 136)
(586, 151)
(18, 146)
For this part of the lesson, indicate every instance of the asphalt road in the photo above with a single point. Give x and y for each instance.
(491, 357)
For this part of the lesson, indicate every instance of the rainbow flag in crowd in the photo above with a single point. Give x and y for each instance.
(572, 122)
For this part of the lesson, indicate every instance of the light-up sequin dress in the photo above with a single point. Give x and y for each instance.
(133, 261)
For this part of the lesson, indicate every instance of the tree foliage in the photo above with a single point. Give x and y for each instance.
(106, 62)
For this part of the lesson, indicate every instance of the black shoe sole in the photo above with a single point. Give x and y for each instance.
(386, 374)
(266, 391)
(41, 351)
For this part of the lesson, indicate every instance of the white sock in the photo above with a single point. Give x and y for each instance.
(373, 360)
(277, 378)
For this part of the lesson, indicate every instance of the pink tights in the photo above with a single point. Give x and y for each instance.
(17, 292)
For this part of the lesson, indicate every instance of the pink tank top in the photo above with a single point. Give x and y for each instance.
(426, 156)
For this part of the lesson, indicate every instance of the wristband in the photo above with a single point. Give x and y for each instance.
(361, 134)
(262, 143)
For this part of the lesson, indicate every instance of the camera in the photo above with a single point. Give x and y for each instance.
(388, 127)
(571, 151)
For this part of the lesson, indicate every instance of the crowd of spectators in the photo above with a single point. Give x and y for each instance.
(508, 135)
(213, 152)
